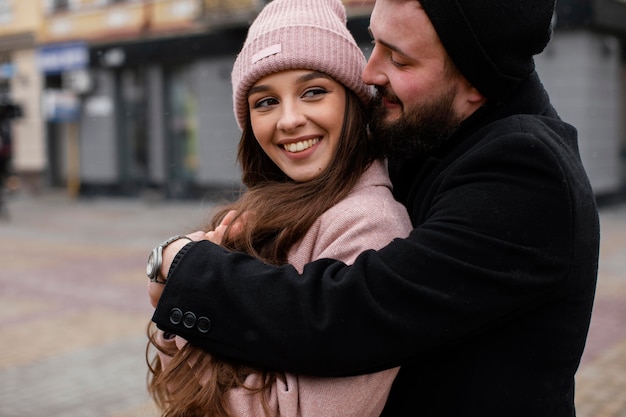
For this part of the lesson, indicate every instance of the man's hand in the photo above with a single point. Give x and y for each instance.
(154, 292)
(155, 289)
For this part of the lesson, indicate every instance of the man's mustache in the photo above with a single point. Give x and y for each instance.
(387, 94)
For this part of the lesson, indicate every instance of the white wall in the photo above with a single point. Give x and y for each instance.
(581, 71)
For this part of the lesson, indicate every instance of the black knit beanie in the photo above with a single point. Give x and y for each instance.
(492, 42)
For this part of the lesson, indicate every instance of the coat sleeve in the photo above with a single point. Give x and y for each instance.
(499, 235)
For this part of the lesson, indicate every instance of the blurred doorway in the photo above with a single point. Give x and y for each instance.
(181, 131)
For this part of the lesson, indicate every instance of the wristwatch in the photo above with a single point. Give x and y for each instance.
(155, 260)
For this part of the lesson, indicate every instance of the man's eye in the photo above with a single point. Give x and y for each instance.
(396, 63)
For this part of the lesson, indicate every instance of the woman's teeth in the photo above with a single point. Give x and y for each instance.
(300, 146)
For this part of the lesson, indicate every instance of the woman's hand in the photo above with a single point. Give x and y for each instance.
(216, 236)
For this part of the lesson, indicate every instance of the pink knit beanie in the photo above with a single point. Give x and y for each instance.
(298, 34)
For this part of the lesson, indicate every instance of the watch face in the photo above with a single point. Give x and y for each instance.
(150, 268)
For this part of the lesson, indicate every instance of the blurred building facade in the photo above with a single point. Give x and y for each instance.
(148, 108)
(21, 84)
(128, 97)
(584, 70)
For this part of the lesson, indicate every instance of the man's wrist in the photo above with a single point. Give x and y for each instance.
(179, 255)
(154, 268)
(169, 254)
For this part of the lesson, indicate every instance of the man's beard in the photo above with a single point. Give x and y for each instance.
(419, 131)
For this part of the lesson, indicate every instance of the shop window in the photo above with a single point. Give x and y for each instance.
(60, 5)
(610, 16)
(573, 13)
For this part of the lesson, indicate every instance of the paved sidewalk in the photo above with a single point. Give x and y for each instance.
(74, 309)
(74, 306)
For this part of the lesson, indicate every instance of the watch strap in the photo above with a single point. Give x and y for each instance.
(157, 280)
(172, 240)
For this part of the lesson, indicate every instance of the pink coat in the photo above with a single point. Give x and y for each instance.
(368, 218)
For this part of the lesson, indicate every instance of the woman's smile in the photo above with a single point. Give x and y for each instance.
(296, 147)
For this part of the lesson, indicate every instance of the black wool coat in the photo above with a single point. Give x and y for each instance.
(485, 306)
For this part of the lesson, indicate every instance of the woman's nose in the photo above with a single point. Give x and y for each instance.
(291, 118)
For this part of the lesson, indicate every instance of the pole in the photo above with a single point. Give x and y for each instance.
(73, 160)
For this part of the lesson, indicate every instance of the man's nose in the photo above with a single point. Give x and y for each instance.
(372, 73)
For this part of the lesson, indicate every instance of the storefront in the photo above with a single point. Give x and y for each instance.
(159, 117)
(62, 66)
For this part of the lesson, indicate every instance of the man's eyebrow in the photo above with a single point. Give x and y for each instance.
(387, 44)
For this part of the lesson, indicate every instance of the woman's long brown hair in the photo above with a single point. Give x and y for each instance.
(270, 229)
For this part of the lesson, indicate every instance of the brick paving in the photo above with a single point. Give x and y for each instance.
(74, 308)
(601, 380)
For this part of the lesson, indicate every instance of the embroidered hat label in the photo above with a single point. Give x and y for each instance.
(264, 53)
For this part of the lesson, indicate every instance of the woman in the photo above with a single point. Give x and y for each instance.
(316, 188)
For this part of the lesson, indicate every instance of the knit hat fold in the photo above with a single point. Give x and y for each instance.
(298, 34)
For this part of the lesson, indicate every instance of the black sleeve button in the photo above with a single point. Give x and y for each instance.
(176, 315)
(189, 320)
(204, 325)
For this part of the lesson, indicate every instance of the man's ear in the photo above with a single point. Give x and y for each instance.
(469, 99)
(476, 97)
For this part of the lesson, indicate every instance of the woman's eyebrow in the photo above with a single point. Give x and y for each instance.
(311, 76)
(301, 79)
(258, 89)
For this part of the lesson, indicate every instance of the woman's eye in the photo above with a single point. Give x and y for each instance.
(312, 92)
(265, 102)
